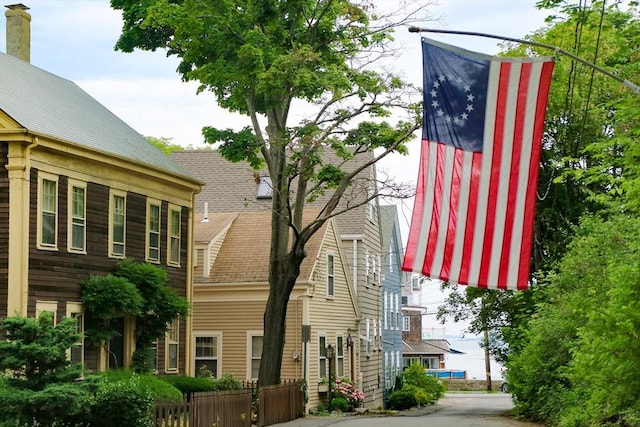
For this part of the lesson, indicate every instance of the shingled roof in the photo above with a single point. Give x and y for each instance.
(52, 106)
(244, 254)
(232, 187)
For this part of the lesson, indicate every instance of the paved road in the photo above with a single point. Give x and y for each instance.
(468, 410)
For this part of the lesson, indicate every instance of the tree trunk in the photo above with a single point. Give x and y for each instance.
(487, 357)
(275, 316)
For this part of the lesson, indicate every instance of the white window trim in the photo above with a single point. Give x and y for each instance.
(406, 324)
(173, 208)
(72, 308)
(50, 306)
(218, 356)
(76, 184)
(42, 176)
(331, 275)
(158, 203)
(117, 193)
(250, 358)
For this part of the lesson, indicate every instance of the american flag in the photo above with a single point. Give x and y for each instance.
(472, 221)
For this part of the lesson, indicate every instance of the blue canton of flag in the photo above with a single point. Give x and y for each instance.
(455, 97)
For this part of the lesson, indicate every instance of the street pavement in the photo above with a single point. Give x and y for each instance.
(455, 409)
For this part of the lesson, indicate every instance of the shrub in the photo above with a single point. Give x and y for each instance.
(339, 404)
(156, 387)
(402, 399)
(346, 389)
(416, 376)
(228, 382)
(122, 403)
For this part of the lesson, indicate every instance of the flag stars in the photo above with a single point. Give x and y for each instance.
(467, 88)
(469, 108)
(434, 93)
(470, 97)
(442, 78)
(440, 113)
(435, 104)
(436, 84)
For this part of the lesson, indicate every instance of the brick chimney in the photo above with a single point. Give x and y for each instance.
(18, 31)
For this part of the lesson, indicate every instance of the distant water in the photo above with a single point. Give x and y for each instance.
(473, 359)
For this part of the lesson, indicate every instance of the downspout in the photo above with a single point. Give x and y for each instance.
(189, 286)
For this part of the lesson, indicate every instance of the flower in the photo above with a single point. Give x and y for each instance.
(343, 387)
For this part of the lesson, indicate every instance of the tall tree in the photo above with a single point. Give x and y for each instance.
(267, 59)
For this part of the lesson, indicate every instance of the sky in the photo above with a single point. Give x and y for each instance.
(75, 39)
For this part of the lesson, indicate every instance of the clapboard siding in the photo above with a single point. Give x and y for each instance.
(57, 275)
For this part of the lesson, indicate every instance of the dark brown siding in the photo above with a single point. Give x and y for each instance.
(4, 230)
(56, 275)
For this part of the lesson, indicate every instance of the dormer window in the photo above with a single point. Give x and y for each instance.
(265, 189)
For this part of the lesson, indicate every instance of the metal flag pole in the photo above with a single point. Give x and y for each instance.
(626, 83)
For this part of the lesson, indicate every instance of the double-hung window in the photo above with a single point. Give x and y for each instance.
(323, 363)
(77, 228)
(117, 223)
(330, 276)
(207, 354)
(153, 231)
(47, 211)
(174, 235)
(173, 339)
(76, 353)
(255, 354)
(339, 357)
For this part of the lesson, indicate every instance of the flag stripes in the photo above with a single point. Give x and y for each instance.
(473, 216)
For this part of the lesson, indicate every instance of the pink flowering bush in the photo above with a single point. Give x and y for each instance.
(346, 389)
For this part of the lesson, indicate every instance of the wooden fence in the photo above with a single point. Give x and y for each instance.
(207, 409)
(275, 404)
(280, 403)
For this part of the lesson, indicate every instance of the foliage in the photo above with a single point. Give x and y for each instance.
(188, 385)
(228, 382)
(585, 333)
(39, 383)
(339, 404)
(402, 399)
(35, 351)
(160, 305)
(346, 389)
(134, 289)
(166, 145)
(415, 376)
(262, 58)
(122, 403)
(157, 387)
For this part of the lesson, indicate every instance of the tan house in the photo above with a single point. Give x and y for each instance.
(230, 293)
(79, 191)
(235, 187)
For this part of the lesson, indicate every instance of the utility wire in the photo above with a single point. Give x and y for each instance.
(635, 88)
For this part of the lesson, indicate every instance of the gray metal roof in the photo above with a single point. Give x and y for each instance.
(47, 104)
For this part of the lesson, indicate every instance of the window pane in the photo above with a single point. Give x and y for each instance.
(256, 346)
(205, 347)
(173, 356)
(209, 365)
(255, 368)
(48, 228)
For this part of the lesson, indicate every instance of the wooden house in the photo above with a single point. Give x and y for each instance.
(392, 280)
(230, 294)
(79, 191)
(235, 187)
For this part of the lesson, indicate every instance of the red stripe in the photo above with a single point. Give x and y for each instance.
(437, 209)
(418, 208)
(496, 164)
(529, 211)
(452, 224)
(472, 210)
(514, 174)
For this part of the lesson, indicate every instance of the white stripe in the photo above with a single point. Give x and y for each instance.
(461, 223)
(505, 174)
(445, 203)
(427, 208)
(485, 175)
(523, 179)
